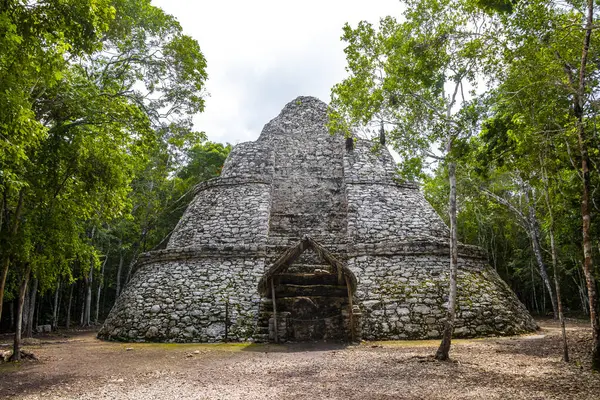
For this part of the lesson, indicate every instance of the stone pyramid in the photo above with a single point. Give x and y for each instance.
(302, 238)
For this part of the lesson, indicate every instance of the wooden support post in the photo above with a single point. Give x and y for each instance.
(274, 312)
(350, 309)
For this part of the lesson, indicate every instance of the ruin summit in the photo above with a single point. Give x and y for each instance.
(303, 238)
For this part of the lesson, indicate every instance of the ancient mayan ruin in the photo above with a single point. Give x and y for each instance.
(305, 238)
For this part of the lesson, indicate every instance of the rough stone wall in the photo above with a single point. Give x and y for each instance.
(226, 212)
(297, 180)
(379, 207)
(404, 297)
(308, 188)
(182, 296)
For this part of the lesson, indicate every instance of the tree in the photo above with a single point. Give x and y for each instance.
(556, 85)
(133, 89)
(417, 78)
(37, 39)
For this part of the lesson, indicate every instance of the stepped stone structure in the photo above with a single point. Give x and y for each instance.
(303, 237)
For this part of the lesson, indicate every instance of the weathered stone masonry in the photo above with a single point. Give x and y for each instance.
(253, 225)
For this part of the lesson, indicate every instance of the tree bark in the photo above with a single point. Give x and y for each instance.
(530, 225)
(26, 310)
(555, 267)
(131, 264)
(68, 322)
(88, 298)
(443, 352)
(13, 231)
(537, 249)
(588, 267)
(16, 356)
(120, 270)
(100, 286)
(32, 299)
(55, 308)
(5, 265)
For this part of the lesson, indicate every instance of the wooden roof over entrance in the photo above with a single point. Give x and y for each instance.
(292, 253)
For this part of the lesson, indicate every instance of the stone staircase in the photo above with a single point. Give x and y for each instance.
(312, 305)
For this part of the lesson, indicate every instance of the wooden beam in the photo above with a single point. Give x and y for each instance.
(350, 310)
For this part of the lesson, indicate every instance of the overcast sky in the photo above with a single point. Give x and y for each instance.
(261, 54)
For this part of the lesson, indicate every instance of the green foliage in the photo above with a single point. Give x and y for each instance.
(99, 97)
(413, 75)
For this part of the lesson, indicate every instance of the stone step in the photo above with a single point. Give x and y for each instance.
(325, 303)
(261, 338)
(310, 278)
(308, 268)
(292, 290)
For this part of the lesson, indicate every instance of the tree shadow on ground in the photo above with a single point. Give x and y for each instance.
(17, 381)
(290, 347)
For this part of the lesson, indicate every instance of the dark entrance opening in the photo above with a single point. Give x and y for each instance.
(308, 296)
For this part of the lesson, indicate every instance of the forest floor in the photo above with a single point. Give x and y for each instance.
(79, 366)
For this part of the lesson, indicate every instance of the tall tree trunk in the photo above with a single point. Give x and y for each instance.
(26, 310)
(588, 267)
(82, 298)
(88, 298)
(68, 322)
(31, 320)
(537, 249)
(100, 286)
(16, 356)
(531, 226)
(555, 267)
(443, 352)
(55, 308)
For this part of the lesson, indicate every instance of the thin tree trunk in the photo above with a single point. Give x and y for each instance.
(16, 356)
(13, 231)
(55, 308)
(131, 264)
(531, 227)
(88, 298)
(120, 269)
(582, 290)
(68, 322)
(82, 298)
(30, 323)
(553, 251)
(5, 265)
(26, 310)
(443, 352)
(100, 286)
(537, 250)
(588, 267)
(535, 302)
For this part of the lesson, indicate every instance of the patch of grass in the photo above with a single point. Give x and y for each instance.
(229, 347)
(8, 367)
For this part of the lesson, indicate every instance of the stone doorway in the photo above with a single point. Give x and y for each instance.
(308, 296)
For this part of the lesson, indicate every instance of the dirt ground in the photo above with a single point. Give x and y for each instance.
(79, 366)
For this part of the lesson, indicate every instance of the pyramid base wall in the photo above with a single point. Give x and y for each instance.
(189, 296)
(195, 295)
(409, 300)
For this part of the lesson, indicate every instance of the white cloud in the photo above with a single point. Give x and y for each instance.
(262, 54)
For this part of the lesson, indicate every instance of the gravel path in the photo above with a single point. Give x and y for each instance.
(524, 367)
